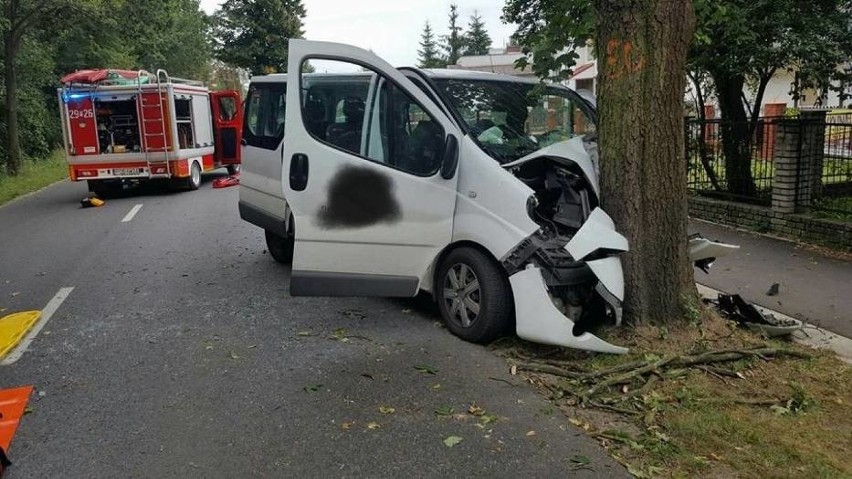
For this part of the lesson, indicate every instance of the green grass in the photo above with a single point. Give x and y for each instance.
(34, 176)
(834, 208)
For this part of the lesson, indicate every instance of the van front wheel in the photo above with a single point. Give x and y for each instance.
(280, 248)
(474, 296)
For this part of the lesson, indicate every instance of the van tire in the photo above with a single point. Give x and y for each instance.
(194, 180)
(280, 248)
(478, 281)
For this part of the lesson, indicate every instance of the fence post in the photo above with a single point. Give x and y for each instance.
(786, 162)
(813, 151)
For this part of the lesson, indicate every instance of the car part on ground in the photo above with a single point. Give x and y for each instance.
(746, 314)
(703, 252)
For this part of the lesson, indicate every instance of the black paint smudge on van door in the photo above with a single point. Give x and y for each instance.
(359, 197)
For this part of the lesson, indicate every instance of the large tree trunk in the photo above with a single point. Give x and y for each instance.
(13, 145)
(641, 48)
(736, 134)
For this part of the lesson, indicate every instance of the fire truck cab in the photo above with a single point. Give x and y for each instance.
(124, 126)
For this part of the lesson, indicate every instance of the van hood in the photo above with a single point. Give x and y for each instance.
(580, 150)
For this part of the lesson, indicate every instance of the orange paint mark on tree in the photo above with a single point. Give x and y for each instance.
(622, 59)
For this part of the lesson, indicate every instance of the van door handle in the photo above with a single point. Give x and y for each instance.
(299, 172)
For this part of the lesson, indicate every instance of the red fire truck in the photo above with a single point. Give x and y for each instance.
(124, 126)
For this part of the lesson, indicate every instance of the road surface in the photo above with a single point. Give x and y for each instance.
(179, 353)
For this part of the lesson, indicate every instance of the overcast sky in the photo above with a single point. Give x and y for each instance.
(391, 28)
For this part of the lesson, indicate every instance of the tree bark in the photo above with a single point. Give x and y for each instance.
(736, 134)
(642, 47)
(13, 145)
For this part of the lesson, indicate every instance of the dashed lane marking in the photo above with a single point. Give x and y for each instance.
(130, 214)
(46, 314)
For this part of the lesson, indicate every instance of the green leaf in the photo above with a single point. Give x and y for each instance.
(444, 411)
(451, 441)
(312, 388)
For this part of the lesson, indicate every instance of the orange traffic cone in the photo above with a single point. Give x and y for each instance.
(13, 403)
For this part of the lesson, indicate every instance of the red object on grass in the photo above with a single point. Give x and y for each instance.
(226, 182)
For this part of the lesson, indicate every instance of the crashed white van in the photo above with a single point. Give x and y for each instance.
(481, 189)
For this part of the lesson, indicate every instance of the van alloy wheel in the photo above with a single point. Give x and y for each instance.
(474, 295)
(462, 295)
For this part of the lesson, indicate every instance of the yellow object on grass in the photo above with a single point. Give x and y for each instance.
(13, 328)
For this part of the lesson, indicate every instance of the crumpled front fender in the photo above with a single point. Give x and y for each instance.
(539, 321)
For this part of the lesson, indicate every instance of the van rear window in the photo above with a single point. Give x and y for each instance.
(263, 124)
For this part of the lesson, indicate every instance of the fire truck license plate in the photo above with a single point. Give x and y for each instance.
(128, 171)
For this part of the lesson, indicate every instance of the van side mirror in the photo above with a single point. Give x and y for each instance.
(451, 157)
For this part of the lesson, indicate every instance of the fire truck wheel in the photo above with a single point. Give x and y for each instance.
(194, 180)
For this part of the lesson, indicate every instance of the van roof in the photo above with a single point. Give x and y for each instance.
(441, 73)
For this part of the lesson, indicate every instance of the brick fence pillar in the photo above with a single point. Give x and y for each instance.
(786, 162)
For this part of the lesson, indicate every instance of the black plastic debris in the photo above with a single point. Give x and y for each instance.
(735, 308)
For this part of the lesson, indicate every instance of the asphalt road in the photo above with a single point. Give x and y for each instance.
(812, 287)
(179, 353)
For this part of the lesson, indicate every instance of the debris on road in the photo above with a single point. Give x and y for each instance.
(225, 182)
(734, 307)
(451, 441)
(773, 290)
(91, 201)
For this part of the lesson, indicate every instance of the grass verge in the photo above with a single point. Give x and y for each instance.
(782, 411)
(34, 175)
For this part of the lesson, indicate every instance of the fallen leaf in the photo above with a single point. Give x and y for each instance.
(251, 346)
(15, 294)
(28, 410)
(530, 433)
(444, 411)
(575, 422)
(580, 460)
(513, 370)
(487, 418)
(367, 375)
(347, 425)
(340, 335)
(233, 355)
(625, 388)
(305, 333)
(475, 410)
(436, 386)
(425, 368)
(386, 410)
(373, 425)
(312, 388)
(451, 441)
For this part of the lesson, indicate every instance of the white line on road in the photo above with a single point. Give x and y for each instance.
(129, 216)
(46, 314)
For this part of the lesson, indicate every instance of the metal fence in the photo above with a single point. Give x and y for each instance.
(745, 170)
(748, 176)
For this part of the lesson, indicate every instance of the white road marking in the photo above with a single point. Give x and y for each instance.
(46, 314)
(129, 216)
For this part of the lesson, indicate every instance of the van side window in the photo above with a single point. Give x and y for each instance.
(263, 125)
(359, 111)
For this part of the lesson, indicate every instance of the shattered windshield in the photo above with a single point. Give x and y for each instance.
(511, 119)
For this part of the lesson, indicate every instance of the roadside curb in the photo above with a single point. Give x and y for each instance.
(25, 195)
(811, 336)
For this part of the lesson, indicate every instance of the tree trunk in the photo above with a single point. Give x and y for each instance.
(13, 145)
(642, 47)
(736, 134)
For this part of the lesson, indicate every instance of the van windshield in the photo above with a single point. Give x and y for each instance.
(510, 120)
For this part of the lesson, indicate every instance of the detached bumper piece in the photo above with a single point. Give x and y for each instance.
(539, 321)
(734, 307)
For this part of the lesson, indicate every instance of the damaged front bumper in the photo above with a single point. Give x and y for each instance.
(539, 321)
(582, 276)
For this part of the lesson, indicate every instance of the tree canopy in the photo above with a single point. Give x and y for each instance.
(454, 41)
(253, 34)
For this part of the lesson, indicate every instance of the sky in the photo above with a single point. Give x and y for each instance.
(391, 28)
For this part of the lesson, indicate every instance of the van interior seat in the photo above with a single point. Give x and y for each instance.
(315, 116)
(347, 135)
(424, 147)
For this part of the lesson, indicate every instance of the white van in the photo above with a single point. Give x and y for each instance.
(478, 188)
